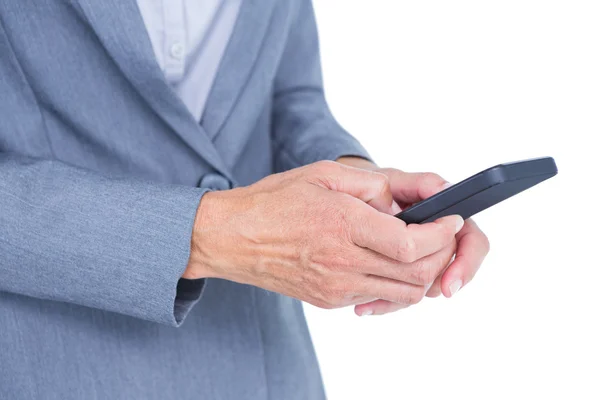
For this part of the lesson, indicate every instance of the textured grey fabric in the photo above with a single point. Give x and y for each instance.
(100, 164)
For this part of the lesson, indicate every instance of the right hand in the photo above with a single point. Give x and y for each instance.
(322, 234)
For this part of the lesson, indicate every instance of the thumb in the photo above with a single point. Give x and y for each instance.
(369, 186)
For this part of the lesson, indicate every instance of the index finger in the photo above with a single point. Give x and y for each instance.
(410, 188)
(391, 237)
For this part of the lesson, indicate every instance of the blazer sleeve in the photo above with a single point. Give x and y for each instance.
(303, 129)
(74, 236)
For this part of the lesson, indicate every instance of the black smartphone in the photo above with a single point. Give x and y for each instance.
(481, 191)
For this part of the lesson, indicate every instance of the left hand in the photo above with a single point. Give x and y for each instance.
(472, 243)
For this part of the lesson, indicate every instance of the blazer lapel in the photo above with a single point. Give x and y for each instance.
(237, 63)
(121, 30)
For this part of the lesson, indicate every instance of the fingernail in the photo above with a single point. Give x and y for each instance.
(366, 313)
(460, 222)
(395, 208)
(455, 287)
(446, 185)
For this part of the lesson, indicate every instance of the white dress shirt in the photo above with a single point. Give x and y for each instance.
(189, 38)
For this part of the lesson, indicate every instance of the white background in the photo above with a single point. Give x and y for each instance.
(454, 87)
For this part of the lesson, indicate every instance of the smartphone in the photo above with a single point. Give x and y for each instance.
(481, 191)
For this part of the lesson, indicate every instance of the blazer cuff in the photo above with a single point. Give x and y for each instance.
(175, 296)
(118, 245)
(188, 294)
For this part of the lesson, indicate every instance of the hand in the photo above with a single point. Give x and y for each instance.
(322, 234)
(472, 243)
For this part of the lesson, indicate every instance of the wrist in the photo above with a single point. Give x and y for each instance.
(198, 266)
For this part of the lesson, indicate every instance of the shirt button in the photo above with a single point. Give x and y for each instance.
(215, 182)
(177, 51)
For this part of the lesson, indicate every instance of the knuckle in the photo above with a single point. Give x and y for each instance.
(383, 184)
(406, 250)
(431, 178)
(415, 295)
(382, 180)
(449, 231)
(423, 273)
(445, 231)
(325, 166)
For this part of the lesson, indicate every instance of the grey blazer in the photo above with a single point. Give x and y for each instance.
(101, 171)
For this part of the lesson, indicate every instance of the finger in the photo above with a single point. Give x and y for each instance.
(422, 272)
(391, 237)
(376, 287)
(378, 307)
(358, 300)
(354, 300)
(472, 247)
(436, 288)
(409, 188)
(369, 186)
